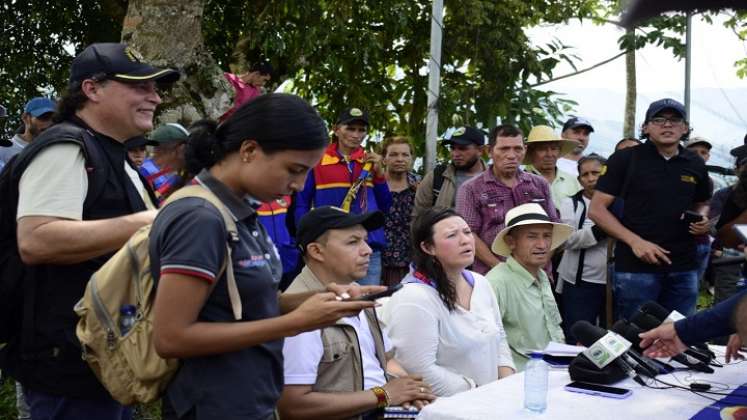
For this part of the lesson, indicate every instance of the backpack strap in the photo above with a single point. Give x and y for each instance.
(438, 181)
(201, 192)
(578, 199)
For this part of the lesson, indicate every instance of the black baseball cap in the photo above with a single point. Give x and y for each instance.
(465, 136)
(321, 219)
(136, 143)
(118, 62)
(353, 114)
(575, 122)
(663, 104)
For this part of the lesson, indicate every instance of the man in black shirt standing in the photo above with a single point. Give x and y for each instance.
(660, 182)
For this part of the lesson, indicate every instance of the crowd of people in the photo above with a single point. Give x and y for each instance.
(498, 251)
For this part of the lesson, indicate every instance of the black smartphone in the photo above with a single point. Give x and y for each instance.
(601, 390)
(373, 296)
(690, 216)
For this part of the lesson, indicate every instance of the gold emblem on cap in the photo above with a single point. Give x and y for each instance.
(459, 132)
(355, 112)
(133, 54)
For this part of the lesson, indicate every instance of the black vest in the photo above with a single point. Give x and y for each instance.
(48, 356)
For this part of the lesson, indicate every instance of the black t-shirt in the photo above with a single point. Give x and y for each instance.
(189, 237)
(658, 192)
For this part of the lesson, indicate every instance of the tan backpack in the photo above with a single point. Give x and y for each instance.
(128, 366)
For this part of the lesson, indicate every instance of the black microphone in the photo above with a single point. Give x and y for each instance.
(588, 334)
(662, 314)
(648, 322)
(630, 332)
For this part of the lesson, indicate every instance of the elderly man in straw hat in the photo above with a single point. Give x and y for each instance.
(530, 316)
(544, 148)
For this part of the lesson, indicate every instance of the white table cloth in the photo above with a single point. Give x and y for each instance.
(504, 399)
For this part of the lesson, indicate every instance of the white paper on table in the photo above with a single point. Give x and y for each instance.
(561, 349)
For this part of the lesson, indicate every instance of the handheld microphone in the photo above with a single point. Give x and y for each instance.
(630, 332)
(647, 322)
(603, 352)
(662, 314)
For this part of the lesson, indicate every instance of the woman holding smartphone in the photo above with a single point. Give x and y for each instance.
(233, 368)
(445, 324)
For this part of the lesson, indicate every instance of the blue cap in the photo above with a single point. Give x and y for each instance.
(662, 104)
(39, 106)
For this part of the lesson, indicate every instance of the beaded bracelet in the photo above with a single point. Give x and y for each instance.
(382, 397)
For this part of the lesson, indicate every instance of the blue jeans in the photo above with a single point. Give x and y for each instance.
(702, 252)
(52, 407)
(583, 301)
(373, 277)
(675, 291)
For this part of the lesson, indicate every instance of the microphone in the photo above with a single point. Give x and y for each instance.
(648, 322)
(662, 314)
(630, 332)
(605, 348)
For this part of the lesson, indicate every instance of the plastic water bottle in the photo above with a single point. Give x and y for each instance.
(535, 384)
(126, 318)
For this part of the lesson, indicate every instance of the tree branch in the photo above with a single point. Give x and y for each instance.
(576, 73)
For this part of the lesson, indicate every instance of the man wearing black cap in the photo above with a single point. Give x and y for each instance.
(439, 186)
(76, 205)
(350, 178)
(661, 182)
(341, 371)
(578, 129)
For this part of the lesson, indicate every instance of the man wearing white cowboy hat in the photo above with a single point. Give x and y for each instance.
(528, 310)
(544, 148)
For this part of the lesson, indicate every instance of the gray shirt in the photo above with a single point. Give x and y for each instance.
(6, 153)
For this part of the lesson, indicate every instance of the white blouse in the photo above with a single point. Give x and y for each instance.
(452, 351)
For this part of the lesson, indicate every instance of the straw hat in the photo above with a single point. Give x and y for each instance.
(529, 214)
(545, 134)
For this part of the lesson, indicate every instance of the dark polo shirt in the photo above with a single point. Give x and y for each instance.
(658, 192)
(189, 237)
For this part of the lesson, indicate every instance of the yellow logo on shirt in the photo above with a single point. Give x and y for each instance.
(688, 178)
(603, 170)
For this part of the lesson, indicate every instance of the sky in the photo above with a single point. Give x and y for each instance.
(719, 97)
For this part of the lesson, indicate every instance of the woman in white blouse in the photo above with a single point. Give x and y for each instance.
(444, 323)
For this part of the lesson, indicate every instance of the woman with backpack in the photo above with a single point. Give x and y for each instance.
(234, 368)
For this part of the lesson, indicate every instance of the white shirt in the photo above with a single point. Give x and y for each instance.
(595, 258)
(55, 184)
(452, 351)
(303, 353)
(568, 166)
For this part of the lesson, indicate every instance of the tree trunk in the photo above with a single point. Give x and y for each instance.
(168, 33)
(630, 93)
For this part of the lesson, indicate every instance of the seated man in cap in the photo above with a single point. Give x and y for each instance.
(544, 148)
(36, 117)
(530, 316)
(341, 371)
(165, 170)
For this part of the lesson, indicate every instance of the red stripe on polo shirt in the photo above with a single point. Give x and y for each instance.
(187, 272)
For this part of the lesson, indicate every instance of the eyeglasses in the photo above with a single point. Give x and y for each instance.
(664, 120)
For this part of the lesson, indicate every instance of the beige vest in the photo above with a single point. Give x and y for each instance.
(341, 367)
